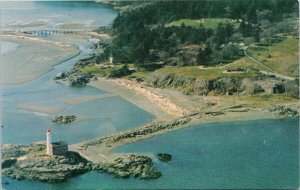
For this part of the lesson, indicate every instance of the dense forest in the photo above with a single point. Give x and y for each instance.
(143, 34)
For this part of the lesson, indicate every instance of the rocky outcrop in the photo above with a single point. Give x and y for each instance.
(75, 77)
(187, 85)
(226, 86)
(129, 165)
(41, 167)
(283, 111)
(31, 163)
(164, 157)
(220, 86)
(249, 86)
(79, 80)
(64, 119)
(193, 86)
(12, 151)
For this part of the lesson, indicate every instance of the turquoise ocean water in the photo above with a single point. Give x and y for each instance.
(260, 154)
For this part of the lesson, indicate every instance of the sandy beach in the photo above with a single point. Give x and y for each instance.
(140, 97)
(168, 106)
(28, 66)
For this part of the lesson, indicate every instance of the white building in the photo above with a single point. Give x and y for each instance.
(55, 148)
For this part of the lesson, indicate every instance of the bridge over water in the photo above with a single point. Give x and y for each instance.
(49, 31)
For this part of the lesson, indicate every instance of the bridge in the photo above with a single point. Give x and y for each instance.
(49, 32)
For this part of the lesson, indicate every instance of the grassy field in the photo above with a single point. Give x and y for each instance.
(205, 73)
(139, 74)
(93, 69)
(246, 63)
(284, 56)
(207, 22)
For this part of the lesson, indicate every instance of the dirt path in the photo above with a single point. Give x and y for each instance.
(269, 68)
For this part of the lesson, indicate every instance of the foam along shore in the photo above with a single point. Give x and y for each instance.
(21, 65)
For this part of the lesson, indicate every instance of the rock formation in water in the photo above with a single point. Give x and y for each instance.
(64, 119)
(164, 157)
(32, 163)
(129, 165)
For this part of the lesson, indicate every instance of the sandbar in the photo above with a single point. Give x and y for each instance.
(32, 58)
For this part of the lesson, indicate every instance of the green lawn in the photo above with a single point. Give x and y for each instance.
(208, 73)
(139, 74)
(207, 22)
(284, 56)
(246, 63)
(93, 69)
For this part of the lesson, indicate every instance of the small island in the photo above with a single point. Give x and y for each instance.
(52, 162)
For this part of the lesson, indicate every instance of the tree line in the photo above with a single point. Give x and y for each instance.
(141, 34)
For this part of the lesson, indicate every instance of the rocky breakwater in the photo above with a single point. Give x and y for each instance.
(129, 165)
(31, 163)
(139, 133)
(283, 111)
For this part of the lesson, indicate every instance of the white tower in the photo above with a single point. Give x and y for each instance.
(49, 140)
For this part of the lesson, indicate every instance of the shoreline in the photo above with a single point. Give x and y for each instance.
(135, 97)
(30, 66)
(33, 39)
(101, 149)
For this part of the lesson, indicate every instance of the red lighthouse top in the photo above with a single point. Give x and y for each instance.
(49, 130)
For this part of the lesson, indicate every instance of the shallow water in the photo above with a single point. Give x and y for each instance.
(23, 127)
(7, 47)
(48, 14)
(260, 154)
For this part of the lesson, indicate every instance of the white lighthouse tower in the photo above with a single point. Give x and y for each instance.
(49, 145)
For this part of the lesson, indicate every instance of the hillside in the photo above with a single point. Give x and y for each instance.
(206, 40)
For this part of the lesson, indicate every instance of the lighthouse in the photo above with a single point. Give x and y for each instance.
(49, 145)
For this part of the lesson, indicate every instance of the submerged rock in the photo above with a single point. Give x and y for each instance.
(164, 157)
